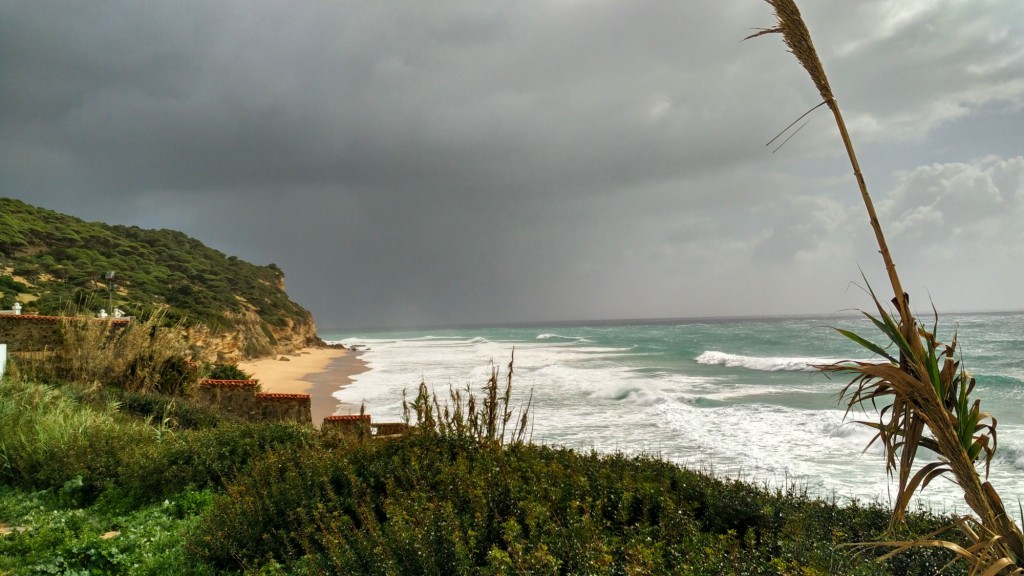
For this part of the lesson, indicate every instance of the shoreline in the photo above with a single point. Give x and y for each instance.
(319, 372)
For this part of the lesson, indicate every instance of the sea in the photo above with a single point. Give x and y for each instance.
(736, 397)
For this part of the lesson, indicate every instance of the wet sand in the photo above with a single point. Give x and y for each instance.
(319, 372)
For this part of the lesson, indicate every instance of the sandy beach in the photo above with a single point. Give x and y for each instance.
(319, 372)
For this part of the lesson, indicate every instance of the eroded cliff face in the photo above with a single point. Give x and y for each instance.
(252, 337)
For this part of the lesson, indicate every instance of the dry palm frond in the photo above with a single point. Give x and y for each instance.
(926, 403)
(923, 391)
(983, 556)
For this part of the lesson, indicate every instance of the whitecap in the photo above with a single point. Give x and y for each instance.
(764, 364)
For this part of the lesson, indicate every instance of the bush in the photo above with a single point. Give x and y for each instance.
(50, 438)
(433, 505)
(226, 372)
(201, 459)
(175, 412)
(59, 440)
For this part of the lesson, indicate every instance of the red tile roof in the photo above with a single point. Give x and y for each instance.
(348, 418)
(227, 383)
(41, 318)
(275, 396)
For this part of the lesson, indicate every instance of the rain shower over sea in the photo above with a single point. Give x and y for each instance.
(737, 397)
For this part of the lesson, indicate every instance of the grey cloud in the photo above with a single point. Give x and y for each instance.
(461, 162)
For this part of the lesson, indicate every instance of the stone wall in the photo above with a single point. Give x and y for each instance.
(236, 397)
(352, 424)
(349, 424)
(382, 429)
(240, 398)
(285, 407)
(31, 333)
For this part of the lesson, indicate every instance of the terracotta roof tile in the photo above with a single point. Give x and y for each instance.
(348, 418)
(41, 318)
(227, 383)
(275, 396)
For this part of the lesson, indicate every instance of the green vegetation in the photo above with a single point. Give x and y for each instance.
(108, 466)
(115, 482)
(227, 372)
(56, 263)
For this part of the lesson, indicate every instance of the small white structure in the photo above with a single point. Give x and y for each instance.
(103, 313)
(14, 311)
(118, 313)
(3, 359)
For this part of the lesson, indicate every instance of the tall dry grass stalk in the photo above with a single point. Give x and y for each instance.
(463, 417)
(925, 393)
(139, 356)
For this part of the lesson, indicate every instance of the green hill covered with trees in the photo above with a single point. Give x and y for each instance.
(57, 264)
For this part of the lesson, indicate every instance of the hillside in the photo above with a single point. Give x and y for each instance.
(56, 264)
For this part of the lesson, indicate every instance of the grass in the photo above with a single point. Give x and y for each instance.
(69, 540)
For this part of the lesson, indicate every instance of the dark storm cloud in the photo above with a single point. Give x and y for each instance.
(417, 163)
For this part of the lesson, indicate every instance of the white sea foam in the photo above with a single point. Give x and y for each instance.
(777, 423)
(768, 364)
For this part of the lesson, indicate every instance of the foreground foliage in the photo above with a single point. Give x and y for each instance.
(53, 438)
(229, 498)
(55, 538)
(432, 505)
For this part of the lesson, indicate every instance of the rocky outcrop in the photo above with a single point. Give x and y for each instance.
(253, 337)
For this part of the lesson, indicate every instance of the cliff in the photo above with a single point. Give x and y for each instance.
(252, 337)
(55, 264)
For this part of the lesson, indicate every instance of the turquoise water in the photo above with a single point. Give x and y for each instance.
(734, 395)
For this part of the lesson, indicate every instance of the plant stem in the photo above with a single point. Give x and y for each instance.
(876, 226)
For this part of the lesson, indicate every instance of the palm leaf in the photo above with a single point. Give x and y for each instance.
(867, 344)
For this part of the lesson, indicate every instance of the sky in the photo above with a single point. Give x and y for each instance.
(421, 163)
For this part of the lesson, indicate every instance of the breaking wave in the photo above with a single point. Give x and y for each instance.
(763, 364)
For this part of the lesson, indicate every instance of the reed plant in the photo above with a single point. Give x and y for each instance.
(464, 415)
(142, 355)
(925, 393)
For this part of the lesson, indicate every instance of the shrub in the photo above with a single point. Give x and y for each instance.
(201, 459)
(446, 505)
(175, 412)
(51, 438)
(221, 371)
